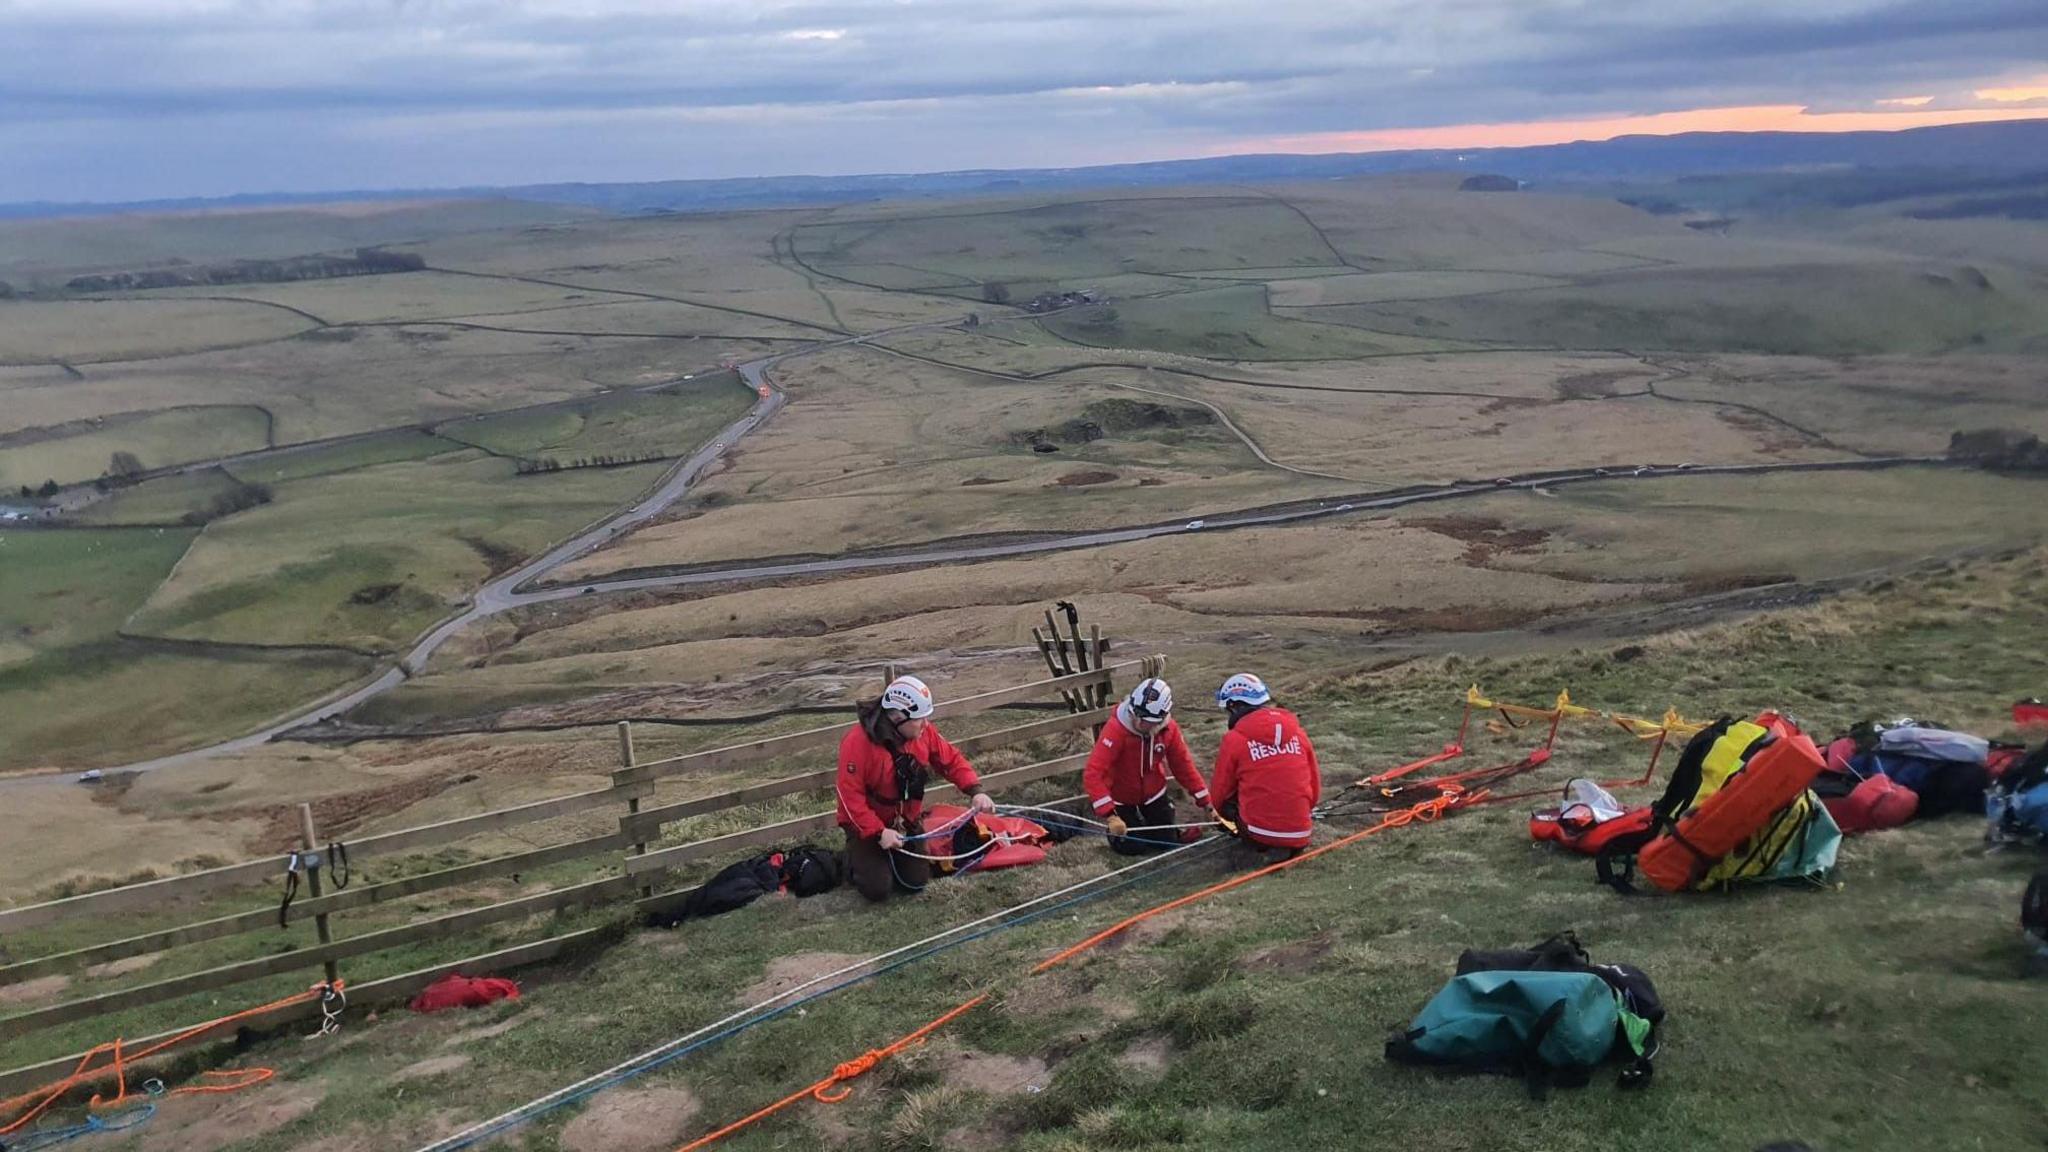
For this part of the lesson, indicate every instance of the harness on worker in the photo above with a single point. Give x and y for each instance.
(911, 777)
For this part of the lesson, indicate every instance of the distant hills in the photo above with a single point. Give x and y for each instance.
(1988, 149)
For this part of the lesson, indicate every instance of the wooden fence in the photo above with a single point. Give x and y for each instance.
(1087, 693)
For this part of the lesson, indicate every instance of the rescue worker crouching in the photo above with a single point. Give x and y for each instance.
(1266, 782)
(1126, 774)
(885, 761)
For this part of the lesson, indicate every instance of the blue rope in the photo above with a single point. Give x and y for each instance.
(635, 1073)
(51, 1137)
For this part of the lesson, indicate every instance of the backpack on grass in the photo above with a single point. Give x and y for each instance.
(2017, 805)
(1552, 1022)
(1739, 807)
(805, 870)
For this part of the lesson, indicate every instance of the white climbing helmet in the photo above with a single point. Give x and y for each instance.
(908, 695)
(1150, 701)
(1243, 688)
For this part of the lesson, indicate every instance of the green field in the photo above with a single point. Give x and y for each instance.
(46, 252)
(1225, 324)
(369, 558)
(74, 694)
(84, 450)
(638, 425)
(1060, 242)
(382, 448)
(1819, 311)
(94, 331)
(165, 500)
(115, 702)
(64, 588)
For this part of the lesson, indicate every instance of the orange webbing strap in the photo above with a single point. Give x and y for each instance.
(821, 1091)
(34, 1104)
(852, 1069)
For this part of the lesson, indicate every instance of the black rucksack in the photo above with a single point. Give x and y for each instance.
(734, 886)
(808, 870)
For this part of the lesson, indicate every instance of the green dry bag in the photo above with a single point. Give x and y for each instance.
(1548, 1027)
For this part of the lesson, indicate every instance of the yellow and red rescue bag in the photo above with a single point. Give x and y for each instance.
(1750, 804)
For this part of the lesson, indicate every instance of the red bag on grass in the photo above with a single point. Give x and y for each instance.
(452, 991)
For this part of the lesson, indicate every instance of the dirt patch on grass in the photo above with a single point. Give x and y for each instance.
(1085, 477)
(33, 991)
(471, 1035)
(430, 1067)
(207, 1122)
(1147, 1057)
(1054, 995)
(1483, 538)
(125, 967)
(632, 1120)
(979, 481)
(1593, 385)
(335, 814)
(1293, 958)
(995, 1075)
(785, 973)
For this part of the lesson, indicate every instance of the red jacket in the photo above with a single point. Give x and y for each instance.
(868, 800)
(1126, 767)
(1268, 766)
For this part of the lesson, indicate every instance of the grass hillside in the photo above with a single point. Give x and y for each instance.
(1882, 1011)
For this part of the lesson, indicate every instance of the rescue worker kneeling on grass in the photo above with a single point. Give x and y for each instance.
(1126, 774)
(884, 764)
(1266, 781)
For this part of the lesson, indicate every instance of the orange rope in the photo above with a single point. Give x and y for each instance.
(848, 1071)
(1425, 811)
(43, 1099)
(821, 1091)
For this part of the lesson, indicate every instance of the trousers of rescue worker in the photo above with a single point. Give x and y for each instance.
(1250, 848)
(876, 872)
(1158, 812)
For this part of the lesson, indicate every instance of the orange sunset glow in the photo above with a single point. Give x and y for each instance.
(1902, 113)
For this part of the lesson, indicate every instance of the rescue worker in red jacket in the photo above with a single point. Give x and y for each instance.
(1266, 781)
(1126, 774)
(884, 763)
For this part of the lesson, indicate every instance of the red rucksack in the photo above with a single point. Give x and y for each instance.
(1877, 803)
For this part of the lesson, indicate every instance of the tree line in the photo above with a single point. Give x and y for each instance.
(365, 262)
(553, 464)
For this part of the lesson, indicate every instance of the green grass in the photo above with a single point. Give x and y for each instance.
(100, 331)
(1792, 310)
(1882, 1012)
(84, 450)
(1064, 242)
(73, 694)
(382, 448)
(1223, 324)
(634, 425)
(165, 500)
(370, 558)
(1782, 526)
(65, 587)
(99, 704)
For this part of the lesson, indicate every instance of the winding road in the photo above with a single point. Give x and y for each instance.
(515, 589)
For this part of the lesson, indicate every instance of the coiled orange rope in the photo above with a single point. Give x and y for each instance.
(35, 1103)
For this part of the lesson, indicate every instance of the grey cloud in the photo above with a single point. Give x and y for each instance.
(117, 98)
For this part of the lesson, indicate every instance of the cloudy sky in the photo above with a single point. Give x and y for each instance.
(131, 99)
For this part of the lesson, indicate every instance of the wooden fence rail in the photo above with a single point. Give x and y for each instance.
(631, 784)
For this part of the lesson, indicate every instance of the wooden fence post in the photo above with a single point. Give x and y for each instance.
(632, 803)
(311, 841)
(1106, 688)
